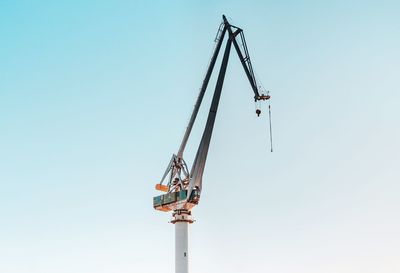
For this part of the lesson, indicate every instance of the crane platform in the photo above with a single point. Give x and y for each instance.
(175, 200)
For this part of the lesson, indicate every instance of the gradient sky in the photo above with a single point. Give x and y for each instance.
(94, 99)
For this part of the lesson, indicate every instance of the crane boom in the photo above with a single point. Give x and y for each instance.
(184, 187)
(201, 94)
(245, 60)
(196, 174)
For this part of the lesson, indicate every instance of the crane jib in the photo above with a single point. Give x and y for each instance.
(200, 160)
(180, 179)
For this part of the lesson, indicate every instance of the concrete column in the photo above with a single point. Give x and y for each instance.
(182, 219)
(181, 247)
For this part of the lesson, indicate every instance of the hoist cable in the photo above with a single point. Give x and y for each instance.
(270, 126)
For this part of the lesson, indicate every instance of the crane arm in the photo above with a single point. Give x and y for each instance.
(196, 173)
(244, 58)
(179, 176)
(197, 170)
(202, 92)
(177, 163)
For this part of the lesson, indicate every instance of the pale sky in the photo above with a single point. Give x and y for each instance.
(94, 99)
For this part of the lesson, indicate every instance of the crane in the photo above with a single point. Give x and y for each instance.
(183, 187)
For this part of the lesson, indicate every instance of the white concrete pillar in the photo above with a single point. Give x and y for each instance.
(181, 247)
(182, 219)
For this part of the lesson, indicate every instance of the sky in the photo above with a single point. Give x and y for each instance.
(94, 99)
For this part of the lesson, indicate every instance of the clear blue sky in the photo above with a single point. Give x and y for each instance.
(94, 98)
